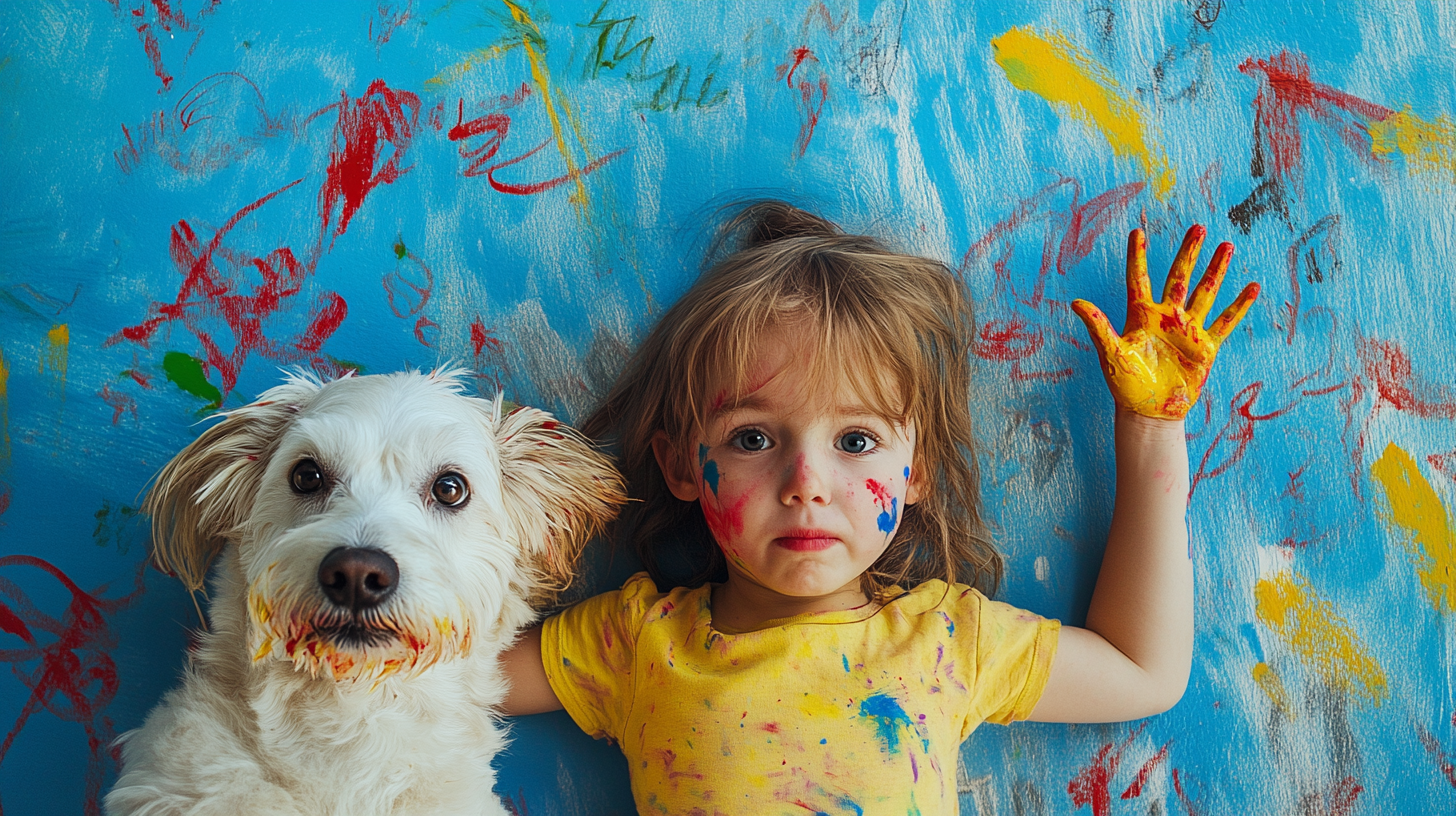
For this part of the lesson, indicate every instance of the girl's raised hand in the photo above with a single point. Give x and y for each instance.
(1157, 366)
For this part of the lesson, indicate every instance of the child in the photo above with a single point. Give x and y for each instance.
(807, 400)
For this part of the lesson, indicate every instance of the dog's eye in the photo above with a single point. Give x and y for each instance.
(450, 490)
(307, 477)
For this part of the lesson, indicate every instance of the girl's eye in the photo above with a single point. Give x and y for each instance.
(856, 442)
(751, 441)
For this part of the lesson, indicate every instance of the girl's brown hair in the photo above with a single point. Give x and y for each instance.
(904, 322)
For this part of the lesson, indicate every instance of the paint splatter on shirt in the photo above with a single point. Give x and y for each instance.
(838, 712)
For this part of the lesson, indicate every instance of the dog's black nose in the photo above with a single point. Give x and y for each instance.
(358, 578)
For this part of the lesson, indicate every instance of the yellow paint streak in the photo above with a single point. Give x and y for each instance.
(1051, 67)
(58, 351)
(1269, 682)
(1417, 515)
(1322, 639)
(542, 77)
(1428, 147)
(473, 60)
(264, 649)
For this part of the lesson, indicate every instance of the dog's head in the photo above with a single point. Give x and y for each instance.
(381, 520)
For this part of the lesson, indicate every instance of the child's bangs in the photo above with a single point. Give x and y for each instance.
(873, 356)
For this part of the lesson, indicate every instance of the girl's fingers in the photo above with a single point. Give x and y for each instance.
(1103, 335)
(1231, 316)
(1139, 290)
(1176, 289)
(1207, 289)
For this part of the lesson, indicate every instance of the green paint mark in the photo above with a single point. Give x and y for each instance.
(186, 371)
(350, 365)
(399, 250)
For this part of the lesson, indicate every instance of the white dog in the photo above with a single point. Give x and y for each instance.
(379, 541)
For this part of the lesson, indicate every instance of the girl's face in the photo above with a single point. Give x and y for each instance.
(803, 489)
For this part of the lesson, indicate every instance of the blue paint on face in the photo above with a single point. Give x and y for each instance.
(702, 454)
(710, 476)
(845, 658)
(889, 517)
(889, 718)
(851, 806)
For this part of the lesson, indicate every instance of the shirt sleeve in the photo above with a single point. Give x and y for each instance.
(1013, 658)
(589, 652)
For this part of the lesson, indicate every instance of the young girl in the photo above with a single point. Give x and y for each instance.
(804, 407)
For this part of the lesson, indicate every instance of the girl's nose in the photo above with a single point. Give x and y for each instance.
(805, 482)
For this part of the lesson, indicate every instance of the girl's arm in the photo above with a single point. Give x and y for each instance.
(530, 693)
(1132, 659)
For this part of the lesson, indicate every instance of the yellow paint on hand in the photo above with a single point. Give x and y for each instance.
(1309, 625)
(1051, 67)
(1428, 147)
(1418, 517)
(1266, 679)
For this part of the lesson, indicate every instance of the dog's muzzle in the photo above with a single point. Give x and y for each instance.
(351, 632)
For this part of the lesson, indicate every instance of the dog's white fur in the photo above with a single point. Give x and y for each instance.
(275, 718)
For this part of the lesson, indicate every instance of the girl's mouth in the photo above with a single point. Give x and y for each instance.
(806, 540)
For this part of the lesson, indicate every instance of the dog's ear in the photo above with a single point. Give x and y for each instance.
(205, 493)
(559, 490)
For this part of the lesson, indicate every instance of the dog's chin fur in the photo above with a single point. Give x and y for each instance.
(290, 705)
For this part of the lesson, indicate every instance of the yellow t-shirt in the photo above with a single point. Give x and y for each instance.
(835, 712)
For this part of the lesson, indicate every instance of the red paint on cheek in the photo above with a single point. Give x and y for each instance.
(882, 493)
(725, 521)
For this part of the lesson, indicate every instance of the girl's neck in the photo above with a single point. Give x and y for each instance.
(742, 605)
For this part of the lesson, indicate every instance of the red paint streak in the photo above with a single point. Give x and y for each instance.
(120, 403)
(1007, 340)
(481, 337)
(1136, 788)
(1443, 762)
(1232, 442)
(1338, 799)
(772, 728)
(1183, 797)
(532, 188)
(726, 524)
(390, 20)
(1389, 379)
(1286, 93)
(882, 494)
(1444, 463)
(148, 13)
(495, 124)
(1388, 368)
(425, 331)
(1090, 785)
(4, 498)
(668, 757)
(809, 108)
(1208, 181)
(1065, 230)
(409, 295)
(213, 306)
(73, 675)
(382, 117)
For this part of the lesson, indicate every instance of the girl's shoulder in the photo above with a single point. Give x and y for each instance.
(639, 598)
(959, 601)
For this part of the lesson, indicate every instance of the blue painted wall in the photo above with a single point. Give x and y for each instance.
(196, 193)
